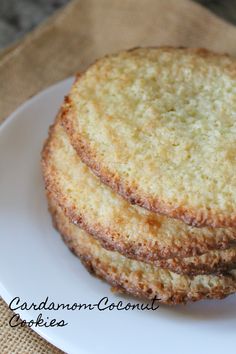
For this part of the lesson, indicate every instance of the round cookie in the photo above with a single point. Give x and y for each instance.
(208, 263)
(158, 125)
(138, 278)
(130, 230)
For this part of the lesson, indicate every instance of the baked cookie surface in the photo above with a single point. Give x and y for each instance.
(158, 125)
(130, 230)
(138, 278)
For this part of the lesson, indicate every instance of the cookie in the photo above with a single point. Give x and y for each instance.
(130, 230)
(137, 278)
(158, 125)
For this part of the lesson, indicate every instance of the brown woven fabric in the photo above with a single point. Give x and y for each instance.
(73, 38)
(20, 340)
(87, 29)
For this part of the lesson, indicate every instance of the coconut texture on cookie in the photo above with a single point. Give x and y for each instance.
(158, 125)
(130, 230)
(138, 278)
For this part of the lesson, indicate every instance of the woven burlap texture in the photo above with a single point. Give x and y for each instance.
(70, 41)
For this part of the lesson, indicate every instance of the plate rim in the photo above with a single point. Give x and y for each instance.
(4, 293)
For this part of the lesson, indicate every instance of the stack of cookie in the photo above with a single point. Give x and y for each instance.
(139, 169)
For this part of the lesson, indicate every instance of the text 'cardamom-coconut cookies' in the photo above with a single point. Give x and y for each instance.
(132, 231)
(158, 125)
(138, 278)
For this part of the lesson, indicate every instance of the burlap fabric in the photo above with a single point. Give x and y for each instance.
(73, 38)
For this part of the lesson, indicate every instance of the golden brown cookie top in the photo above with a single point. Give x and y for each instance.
(131, 230)
(158, 125)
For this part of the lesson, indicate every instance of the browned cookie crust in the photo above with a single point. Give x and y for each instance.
(137, 278)
(212, 262)
(130, 230)
(195, 91)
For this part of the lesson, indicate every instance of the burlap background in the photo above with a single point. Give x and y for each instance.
(73, 38)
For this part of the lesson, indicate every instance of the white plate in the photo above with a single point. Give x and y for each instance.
(34, 262)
